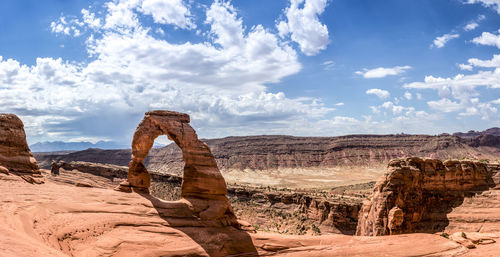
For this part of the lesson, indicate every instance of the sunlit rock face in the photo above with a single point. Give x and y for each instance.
(203, 190)
(15, 155)
(416, 195)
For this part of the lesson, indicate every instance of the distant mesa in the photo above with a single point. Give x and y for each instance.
(495, 131)
(56, 146)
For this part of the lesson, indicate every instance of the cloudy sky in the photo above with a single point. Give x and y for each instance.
(88, 70)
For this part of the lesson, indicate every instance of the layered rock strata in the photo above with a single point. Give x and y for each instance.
(416, 195)
(15, 155)
(283, 152)
(203, 189)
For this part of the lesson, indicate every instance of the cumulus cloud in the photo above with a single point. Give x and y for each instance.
(442, 40)
(407, 95)
(445, 105)
(382, 72)
(460, 93)
(68, 28)
(304, 26)
(221, 83)
(488, 39)
(174, 12)
(475, 62)
(380, 93)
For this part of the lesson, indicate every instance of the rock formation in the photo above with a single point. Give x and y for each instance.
(203, 189)
(270, 153)
(415, 195)
(15, 155)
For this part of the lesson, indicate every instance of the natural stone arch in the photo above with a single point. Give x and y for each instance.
(203, 189)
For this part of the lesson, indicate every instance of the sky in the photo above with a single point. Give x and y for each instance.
(88, 70)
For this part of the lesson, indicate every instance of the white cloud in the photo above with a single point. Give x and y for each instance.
(174, 12)
(62, 26)
(407, 95)
(339, 104)
(121, 15)
(304, 26)
(328, 65)
(474, 62)
(460, 81)
(380, 93)
(90, 19)
(382, 72)
(465, 67)
(488, 39)
(220, 83)
(400, 112)
(442, 40)
(460, 94)
(471, 26)
(495, 4)
(445, 105)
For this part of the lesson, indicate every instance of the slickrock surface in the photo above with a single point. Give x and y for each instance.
(428, 195)
(15, 154)
(203, 189)
(282, 211)
(60, 220)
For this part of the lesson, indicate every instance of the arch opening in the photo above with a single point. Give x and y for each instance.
(165, 158)
(203, 189)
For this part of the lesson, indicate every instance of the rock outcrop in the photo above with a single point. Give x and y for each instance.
(15, 155)
(203, 189)
(415, 195)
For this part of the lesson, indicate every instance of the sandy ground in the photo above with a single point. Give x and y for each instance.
(305, 178)
(60, 219)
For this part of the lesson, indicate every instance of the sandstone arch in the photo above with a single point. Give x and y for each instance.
(203, 189)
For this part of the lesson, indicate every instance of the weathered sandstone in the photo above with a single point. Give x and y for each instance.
(63, 220)
(203, 189)
(417, 195)
(15, 154)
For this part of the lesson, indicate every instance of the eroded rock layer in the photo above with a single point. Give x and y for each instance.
(15, 155)
(416, 195)
(203, 189)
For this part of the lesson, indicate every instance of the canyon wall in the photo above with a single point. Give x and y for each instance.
(277, 152)
(416, 195)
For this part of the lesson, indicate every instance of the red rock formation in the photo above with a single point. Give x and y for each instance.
(415, 195)
(15, 155)
(203, 190)
(278, 152)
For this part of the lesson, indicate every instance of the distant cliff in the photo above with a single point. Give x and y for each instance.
(274, 152)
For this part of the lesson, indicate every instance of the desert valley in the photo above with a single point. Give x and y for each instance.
(308, 128)
(359, 195)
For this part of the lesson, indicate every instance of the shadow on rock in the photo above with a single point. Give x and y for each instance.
(218, 237)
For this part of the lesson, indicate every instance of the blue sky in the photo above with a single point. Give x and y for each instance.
(88, 70)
